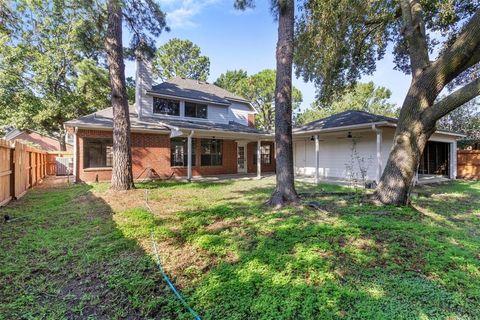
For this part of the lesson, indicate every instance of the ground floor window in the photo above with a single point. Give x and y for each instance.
(212, 152)
(265, 155)
(179, 152)
(98, 153)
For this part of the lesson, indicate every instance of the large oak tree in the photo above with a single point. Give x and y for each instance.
(340, 40)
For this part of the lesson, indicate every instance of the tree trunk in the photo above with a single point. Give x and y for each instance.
(399, 175)
(285, 192)
(61, 140)
(122, 177)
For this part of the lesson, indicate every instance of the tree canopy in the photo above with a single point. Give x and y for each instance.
(338, 41)
(363, 96)
(260, 89)
(45, 79)
(52, 59)
(230, 79)
(180, 58)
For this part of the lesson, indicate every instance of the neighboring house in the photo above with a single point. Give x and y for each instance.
(182, 117)
(166, 120)
(41, 141)
(345, 144)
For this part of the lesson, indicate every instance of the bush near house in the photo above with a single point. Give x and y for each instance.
(83, 251)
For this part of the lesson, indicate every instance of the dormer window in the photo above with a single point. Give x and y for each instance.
(166, 106)
(196, 110)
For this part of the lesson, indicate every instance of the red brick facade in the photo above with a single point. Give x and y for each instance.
(153, 151)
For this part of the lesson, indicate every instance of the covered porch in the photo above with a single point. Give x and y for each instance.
(197, 155)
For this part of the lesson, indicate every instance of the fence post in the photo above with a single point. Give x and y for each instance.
(12, 175)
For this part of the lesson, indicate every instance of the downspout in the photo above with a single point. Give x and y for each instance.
(379, 152)
(189, 156)
(75, 153)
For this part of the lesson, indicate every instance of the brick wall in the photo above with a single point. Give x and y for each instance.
(251, 150)
(251, 120)
(153, 151)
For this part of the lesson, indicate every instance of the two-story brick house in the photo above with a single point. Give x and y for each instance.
(171, 121)
(183, 117)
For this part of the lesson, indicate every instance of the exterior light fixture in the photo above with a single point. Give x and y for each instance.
(349, 134)
(312, 139)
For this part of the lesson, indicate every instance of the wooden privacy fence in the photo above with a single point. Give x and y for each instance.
(468, 164)
(21, 167)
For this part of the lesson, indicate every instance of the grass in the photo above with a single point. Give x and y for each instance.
(84, 251)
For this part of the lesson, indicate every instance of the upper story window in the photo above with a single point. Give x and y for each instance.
(166, 106)
(196, 110)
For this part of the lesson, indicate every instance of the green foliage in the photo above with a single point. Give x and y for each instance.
(92, 84)
(363, 96)
(260, 90)
(230, 79)
(51, 59)
(180, 58)
(44, 79)
(465, 119)
(339, 41)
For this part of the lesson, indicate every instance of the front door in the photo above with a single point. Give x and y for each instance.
(241, 158)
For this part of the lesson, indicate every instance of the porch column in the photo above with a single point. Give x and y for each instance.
(453, 160)
(189, 156)
(259, 160)
(379, 154)
(317, 159)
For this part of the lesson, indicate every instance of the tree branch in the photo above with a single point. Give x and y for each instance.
(453, 101)
(461, 55)
(413, 22)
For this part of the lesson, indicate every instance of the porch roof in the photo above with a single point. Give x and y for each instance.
(103, 120)
(354, 119)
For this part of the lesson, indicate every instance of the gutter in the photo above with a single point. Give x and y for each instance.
(355, 126)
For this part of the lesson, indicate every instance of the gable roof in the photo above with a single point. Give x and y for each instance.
(197, 90)
(103, 119)
(344, 119)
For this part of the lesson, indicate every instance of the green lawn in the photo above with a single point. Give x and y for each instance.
(83, 251)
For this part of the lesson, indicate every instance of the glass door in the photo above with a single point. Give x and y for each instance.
(241, 159)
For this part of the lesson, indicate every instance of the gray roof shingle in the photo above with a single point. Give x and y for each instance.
(103, 119)
(343, 119)
(197, 90)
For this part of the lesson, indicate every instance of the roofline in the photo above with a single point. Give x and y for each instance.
(154, 93)
(460, 135)
(137, 129)
(354, 126)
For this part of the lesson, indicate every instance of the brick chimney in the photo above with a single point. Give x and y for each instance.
(251, 120)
